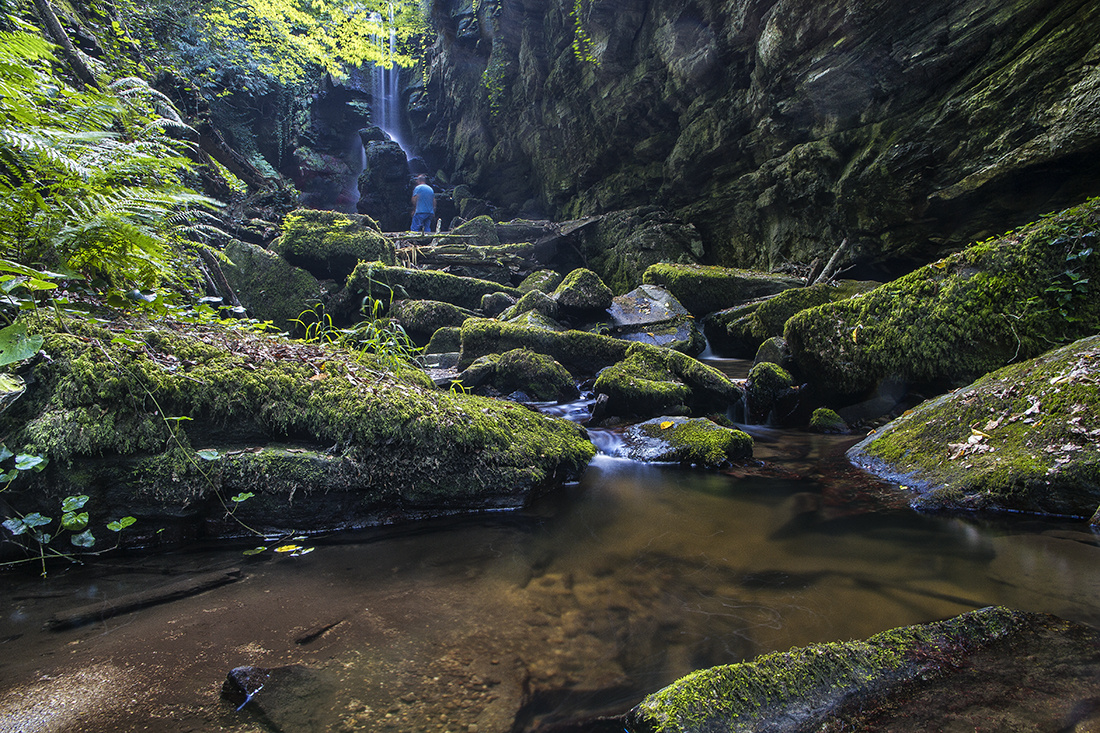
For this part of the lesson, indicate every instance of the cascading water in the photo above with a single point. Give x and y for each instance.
(385, 85)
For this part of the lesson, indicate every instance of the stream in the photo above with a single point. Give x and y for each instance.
(578, 606)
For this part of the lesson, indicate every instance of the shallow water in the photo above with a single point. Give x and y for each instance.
(603, 591)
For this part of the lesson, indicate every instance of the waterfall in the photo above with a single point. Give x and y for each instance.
(385, 86)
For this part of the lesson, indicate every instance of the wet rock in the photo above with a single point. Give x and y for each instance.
(543, 281)
(329, 244)
(653, 381)
(650, 314)
(493, 304)
(533, 301)
(774, 351)
(969, 669)
(826, 421)
(692, 441)
(269, 287)
(948, 323)
(384, 186)
(286, 698)
(1023, 438)
(704, 290)
(768, 387)
(582, 293)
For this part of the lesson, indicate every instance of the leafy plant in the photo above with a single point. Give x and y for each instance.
(383, 338)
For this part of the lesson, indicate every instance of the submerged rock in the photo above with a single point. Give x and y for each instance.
(952, 321)
(996, 668)
(320, 437)
(1025, 438)
(286, 698)
(702, 289)
(693, 441)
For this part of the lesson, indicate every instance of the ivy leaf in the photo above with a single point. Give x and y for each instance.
(34, 519)
(16, 344)
(15, 526)
(210, 454)
(84, 539)
(120, 524)
(5, 454)
(254, 551)
(74, 522)
(72, 503)
(27, 462)
(243, 496)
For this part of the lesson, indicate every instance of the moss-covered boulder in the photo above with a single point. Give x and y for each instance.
(269, 287)
(652, 381)
(968, 669)
(425, 317)
(582, 293)
(950, 322)
(827, 421)
(580, 352)
(542, 280)
(538, 321)
(480, 231)
(535, 376)
(329, 244)
(703, 289)
(376, 280)
(1025, 438)
(534, 300)
(166, 421)
(774, 350)
(739, 332)
(690, 441)
(767, 387)
(445, 341)
(493, 304)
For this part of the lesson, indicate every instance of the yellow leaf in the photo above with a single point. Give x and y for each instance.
(288, 548)
(666, 425)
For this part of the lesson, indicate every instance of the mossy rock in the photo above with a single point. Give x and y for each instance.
(652, 381)
(481, 230)
(537, 321)
(827, 421)
(535, 375)
(766, 387)
(952, 321)
(269, 412)
(705, 289)
(582, 292)
(534, 300)
(1025, 438)
(844, 685)
(425, 317)
(376, 280)
(690, 441)
(543, 281)
(445, 341)
(329, 244)
(739, 332)
(580, 352)
(269, 287)
(775, 351)
(493, 304)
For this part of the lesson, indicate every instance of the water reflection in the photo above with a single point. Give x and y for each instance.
(600, 593)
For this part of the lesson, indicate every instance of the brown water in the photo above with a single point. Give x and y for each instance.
(602, 592)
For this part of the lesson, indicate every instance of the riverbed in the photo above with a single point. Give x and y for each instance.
(601, 592)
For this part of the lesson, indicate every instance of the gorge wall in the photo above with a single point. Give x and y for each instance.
(777, 127)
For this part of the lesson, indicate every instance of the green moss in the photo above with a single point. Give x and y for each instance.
(330, 244)
(1022, 438)
(537, 375)
(425, 317)
(536, 301)
(269, 287)
(825, 420)
(376, 280)
(543, 281)
(583, 290)
(481, 229)
(801, 686)
(445, 341)
(99, 397)
(578, 351)
(698, 441)
(704, 289)
(950, 322)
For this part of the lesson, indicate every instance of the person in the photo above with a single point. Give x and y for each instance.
(423, 200)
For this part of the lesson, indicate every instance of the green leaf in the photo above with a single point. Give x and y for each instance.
(5, 454)
(243, 496)
(120, 524)
(17, 345)
(34, 519)
(74, 522)
(254, 551)
(15, 526)
(29, 462)
(209, 454)
(72, 503)
(84, 539)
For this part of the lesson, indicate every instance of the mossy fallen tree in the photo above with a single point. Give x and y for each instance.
(167, 420)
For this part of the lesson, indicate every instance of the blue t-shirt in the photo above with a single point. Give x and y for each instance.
(425, 199)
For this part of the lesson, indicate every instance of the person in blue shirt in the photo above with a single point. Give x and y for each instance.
(423, 205)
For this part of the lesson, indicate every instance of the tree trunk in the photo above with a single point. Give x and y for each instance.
(61, 38)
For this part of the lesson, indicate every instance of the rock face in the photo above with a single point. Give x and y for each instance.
(1024, 439)
(970, 670)
(776, 128)
(385, 187)
(322, 438)
(956, 319)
